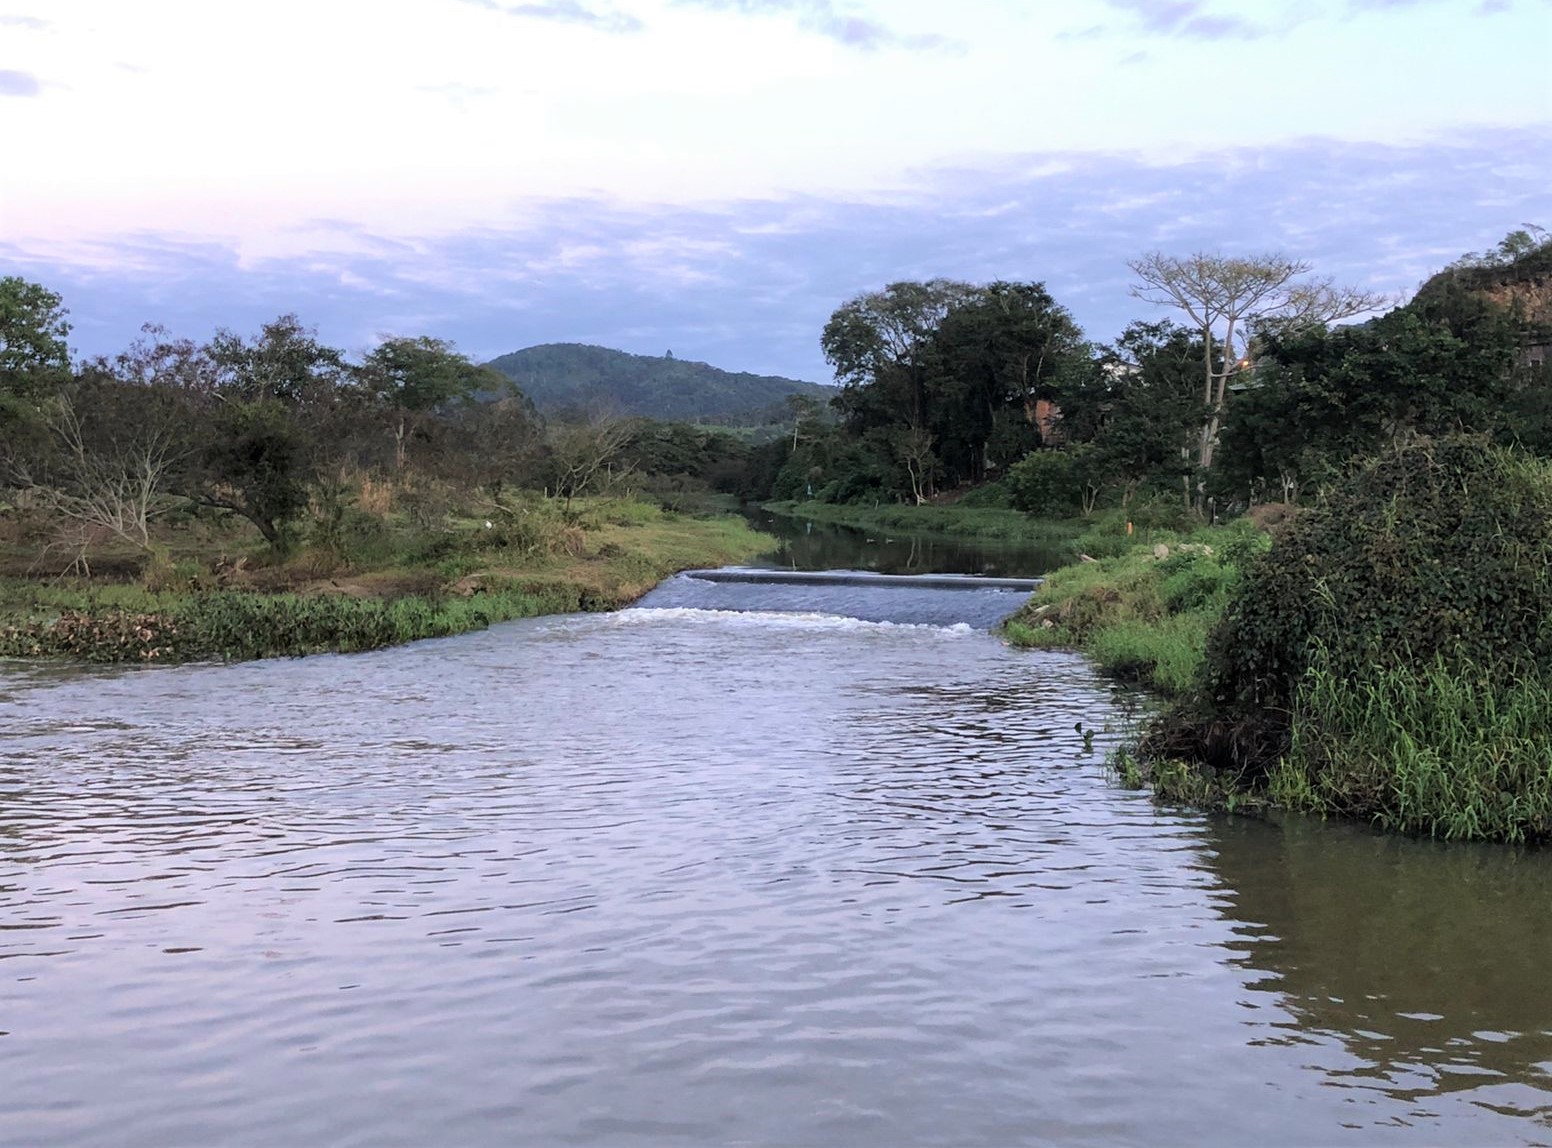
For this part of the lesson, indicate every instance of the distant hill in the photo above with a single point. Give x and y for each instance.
(562, 377)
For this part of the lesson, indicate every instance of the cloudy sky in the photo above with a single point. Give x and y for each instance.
(716, 176)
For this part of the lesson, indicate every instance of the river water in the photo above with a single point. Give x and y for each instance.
(736, 872)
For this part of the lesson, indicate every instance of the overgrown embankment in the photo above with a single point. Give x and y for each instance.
(994, 523)
(1143, 614)
(1388, 657)
(1391, 657)
(379, 583)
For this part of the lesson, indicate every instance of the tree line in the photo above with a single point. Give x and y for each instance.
(1252, 387)
(282, 431)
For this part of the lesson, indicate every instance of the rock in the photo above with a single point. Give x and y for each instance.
(1161, 551)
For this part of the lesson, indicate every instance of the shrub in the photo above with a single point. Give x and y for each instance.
(1399, 630)
(1044, 482)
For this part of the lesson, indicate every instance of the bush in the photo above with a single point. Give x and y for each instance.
(1044, 483)
(993, 495)
(1400, 629)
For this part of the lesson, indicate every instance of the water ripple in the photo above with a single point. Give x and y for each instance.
(685, 875)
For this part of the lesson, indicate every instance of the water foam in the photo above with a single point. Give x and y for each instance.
(774, 619)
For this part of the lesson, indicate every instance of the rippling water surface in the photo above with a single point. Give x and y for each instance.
(689, 876)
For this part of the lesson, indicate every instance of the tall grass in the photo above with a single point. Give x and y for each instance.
(1452, 750)
(377, 583)
(236, 625)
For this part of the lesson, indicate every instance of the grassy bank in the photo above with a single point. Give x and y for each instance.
(1387, 658)
(1143, 614)
(383, 581)
(988, 523)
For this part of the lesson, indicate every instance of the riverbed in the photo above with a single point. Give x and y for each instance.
(767, 871)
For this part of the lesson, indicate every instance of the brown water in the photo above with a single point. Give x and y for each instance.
(689, 876)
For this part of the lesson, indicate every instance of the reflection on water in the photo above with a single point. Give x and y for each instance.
(1419, 965)
(806, 545)
(687, 876)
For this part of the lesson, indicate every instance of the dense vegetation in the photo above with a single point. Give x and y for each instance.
(1256, 397)
(573, 378)
(1366, 635)
(1391, 655)
(263, 494)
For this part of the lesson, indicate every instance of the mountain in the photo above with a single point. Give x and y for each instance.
(574, 376)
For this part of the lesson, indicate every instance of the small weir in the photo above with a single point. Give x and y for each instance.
(916, 599)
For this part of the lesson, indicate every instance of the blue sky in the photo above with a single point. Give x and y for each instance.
(716, 176)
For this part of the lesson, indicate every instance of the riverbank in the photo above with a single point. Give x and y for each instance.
(955, 521)
(393, 584)
(1388, 660)
(1144, 614)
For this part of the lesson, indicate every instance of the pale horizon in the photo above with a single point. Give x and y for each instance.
(716, 176)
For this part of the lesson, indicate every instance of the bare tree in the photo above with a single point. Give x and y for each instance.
(106, 475)
(584, 455)
(1228, 298)
(921, 463)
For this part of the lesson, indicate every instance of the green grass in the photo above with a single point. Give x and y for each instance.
(960, 521)
(377, 583)
(1139, 616)
(1450, 750)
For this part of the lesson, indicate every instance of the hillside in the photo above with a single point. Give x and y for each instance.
(574, 376)
(1517, 275)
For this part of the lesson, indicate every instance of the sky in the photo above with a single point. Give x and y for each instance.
(715, 177)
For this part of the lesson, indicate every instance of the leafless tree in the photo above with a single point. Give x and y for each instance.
(106, 475)
(921, 463)
(585, 455)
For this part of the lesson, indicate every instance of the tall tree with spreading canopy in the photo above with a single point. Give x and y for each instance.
(999, 353)
(878, 344)
(1227, 299)
(265, 412)
(34, 363)
(410, 378)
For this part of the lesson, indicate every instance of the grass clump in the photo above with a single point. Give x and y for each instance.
(1451, 750)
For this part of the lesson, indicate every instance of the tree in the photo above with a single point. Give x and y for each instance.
(1140, 408)
(32, 335)
(583, 454)
(285, 363)
(914, 448)
(115, 447)
(1227, 299)
(410, 378)
(1003, 349)
(1442, 364)
(34, 363)
(264, 424)
(878, 344)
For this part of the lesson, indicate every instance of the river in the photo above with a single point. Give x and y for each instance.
(716, 870)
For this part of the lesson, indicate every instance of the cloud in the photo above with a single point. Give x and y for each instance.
(833, 21)
(31, 23)
(19, 84)
(601, 18)
(459, 95)
(1187, 18)
(749, 285)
